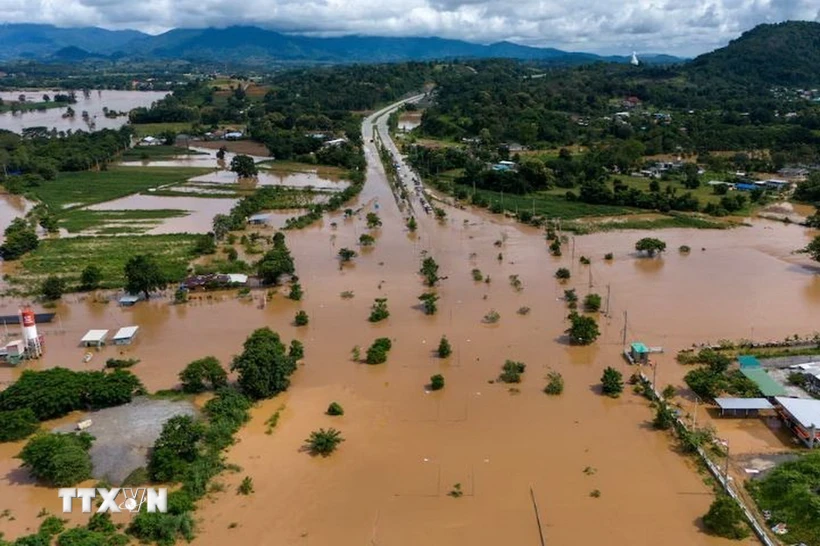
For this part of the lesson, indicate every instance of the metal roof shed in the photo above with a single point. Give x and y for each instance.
(125, 336)
(94, 338)
(747, 361)
(743, 404)
(804, 410)
(767, 385)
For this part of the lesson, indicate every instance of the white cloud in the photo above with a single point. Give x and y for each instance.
(684, 27)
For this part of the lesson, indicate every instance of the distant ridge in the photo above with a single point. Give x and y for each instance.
(248, 44)
(785, 54)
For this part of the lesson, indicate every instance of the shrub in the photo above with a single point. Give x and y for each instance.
(456, 491)
(562, 274)
(301, 318)
(584, 260)
(683, 249)
(199, 372)
(555, 383)
(335, 409)
(365, 239)
(555, 248)
(163, 529)
(436, 382)
(346, 254)
(516, 283)
(347, 294)
(570, 296)
(524, 310)
(592, 303)
(444, 348)
(664, 417)
(323, 441)
(378, 311)
(53, 288)
(668, 392)
(583, 330)
(492, 317)
(608, 256)
(297, 350)
(428, 303)
(246, 486)
(612, 383)
(60, 460)
(429, 270)
(295, 291)
(120, 363)
(17, 424)
(90, 277)
(377, 353)
(477, 276)
(725, 519)
(650, 245)
(181, 295)
(511, 372)
(373, 220)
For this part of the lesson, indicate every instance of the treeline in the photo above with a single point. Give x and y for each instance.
(507, 101)
(40, 154)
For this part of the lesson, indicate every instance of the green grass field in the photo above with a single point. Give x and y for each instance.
(154, 153)
(125, 221)
(68, 257)
(75, 189)
(153, 129)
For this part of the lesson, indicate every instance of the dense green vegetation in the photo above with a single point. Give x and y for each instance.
(68, 391)
(59, 460)
(725, 519)
(203, 374)
(790, 493)
(612, 383)
(17, 424)
(264, 367)
(715, 378)
(69, 257)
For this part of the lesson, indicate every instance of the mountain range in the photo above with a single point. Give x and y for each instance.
(251, 45)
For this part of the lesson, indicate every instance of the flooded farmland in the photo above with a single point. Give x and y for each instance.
(405, 447)
(119, 101)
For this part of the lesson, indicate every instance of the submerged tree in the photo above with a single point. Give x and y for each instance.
(583, 330)
(244, 166)
(346, 254)
(429, 270)
(203, 374)
(323, 441)
(612, 383)
(373, 220)
(428, 302)
(444, 348)
(725, 519)
(60, 460)
(650, 245)
(264, 367)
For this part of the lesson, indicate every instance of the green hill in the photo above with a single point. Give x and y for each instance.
(785, 54)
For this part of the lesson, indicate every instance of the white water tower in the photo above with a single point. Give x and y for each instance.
(31, 339)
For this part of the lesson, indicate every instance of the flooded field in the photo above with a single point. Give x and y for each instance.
(11, 207)
(204, 157)
(409, 121)
(303, 180)
(405, 447)
(199, 219)
(120, 101)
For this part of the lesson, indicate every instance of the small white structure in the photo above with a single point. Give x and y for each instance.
(150, 141)
(233, 135)
(335, 142)
(94, 338)
(82, 425)
(237, 278)
(126, 335)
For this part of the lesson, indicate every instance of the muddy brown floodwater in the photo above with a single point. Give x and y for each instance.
(406, 448)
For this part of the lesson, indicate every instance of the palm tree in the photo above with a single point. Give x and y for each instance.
(323, 441)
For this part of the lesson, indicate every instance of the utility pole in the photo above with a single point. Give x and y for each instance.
(606, 312)
(625, 330)
(573, 249)
(590, 277)
(655, 376)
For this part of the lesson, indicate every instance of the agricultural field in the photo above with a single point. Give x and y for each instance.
(142, 130)
(113, 222)
(154, 153)
(68, 257)
(76, 189)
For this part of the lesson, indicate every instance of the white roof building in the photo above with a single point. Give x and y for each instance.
(94, 337)
(125, 335)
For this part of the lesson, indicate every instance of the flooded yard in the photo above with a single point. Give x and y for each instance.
(199, 218)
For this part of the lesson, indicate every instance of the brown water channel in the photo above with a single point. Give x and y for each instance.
(405, 448)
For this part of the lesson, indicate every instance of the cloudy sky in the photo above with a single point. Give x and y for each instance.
(683, 27)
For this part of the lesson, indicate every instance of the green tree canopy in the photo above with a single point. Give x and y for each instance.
(650, 245)
(143, 275)
(19, 239)
(244, 166)
(583, 330)
(203, 374)
(60, 460)
(725, 519)
(175, 449)
(264, 367)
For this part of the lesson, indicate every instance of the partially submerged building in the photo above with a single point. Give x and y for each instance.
(125, 335)
(743, 406)
(803, 417)
(94, 338)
